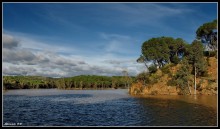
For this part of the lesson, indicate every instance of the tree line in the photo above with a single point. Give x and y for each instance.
(162, 52)
(76, 82)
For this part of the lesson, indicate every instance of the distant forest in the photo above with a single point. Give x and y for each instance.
(77, 82)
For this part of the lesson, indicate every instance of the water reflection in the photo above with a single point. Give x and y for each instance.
(167, 112)
(101, 108)
(206, 100)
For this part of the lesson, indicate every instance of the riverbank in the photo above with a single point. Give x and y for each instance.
(90, 89)
(5, 90)
(162, 82)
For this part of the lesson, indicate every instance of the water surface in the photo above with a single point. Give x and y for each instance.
(52, 107)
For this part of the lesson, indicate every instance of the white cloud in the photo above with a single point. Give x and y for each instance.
(32, 57)
(14, 56)
(9, 41)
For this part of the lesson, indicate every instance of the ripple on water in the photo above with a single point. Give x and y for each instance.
(101, 108)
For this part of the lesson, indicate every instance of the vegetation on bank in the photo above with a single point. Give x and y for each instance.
(191, 63)
(77, 82)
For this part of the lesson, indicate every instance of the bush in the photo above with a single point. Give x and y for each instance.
(210, 53)
(213, 53)
(175, 60)
(143, 77)
(165, 69)
(206, 53)
(153, 79)
(204, 74)
(152, 69)
(199, 85)
(171, 82)
(210, 81)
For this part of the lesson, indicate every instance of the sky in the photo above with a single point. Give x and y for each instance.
(70, 39)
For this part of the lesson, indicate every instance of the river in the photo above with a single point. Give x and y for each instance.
(53, 107)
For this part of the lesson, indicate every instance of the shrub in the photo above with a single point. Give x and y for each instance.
(165, 69)
(143, 77)
(199, 85)
(152, 69)
(175, 60)
(153, 79)
(171, 82)
(210, 53)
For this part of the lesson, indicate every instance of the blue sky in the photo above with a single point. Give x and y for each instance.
(68, 39)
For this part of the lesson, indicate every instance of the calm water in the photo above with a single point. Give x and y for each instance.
(51, 107)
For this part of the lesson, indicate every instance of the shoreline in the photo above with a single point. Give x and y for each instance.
(66, 89)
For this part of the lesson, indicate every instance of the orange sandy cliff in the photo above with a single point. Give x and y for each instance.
(205, 85)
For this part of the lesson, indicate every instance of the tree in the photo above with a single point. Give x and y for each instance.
(197, 60)
(126, 78)
(208, 34)
(162, 50)
(142, 59)
(182, 77)
(177, 49)
(157, 51)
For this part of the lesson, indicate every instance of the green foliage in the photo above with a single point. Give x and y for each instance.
(196, 58)
(152, 69)
(210, 81)
(175, 60)
(77, 82)
(165, 69)
(210, 53)
(207, 34)
(25, 82)
(202, 68)
(153, 78)
(199, 85)
(182, 77)
(142, 59)
(171, 82)
(206, 28)
(211, 84)
(156, 50)
(162, 50)
(147, 78)
(143, 77)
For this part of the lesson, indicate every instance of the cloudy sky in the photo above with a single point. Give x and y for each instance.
(69, 39)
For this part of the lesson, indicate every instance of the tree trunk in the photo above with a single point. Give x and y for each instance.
(81, 85)
(195, 81)
(145, 64)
